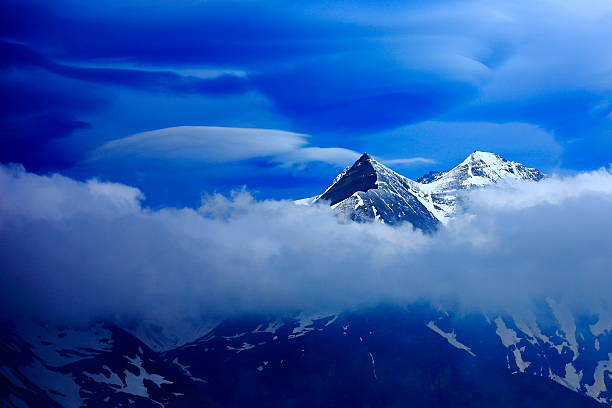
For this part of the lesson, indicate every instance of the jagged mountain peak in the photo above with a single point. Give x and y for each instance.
(370, 190)
(477, 156)
(366, 173)
(361, 176)
(488, 159)
(480, 169)
(365, 156)
(433, 175)
(485, 157)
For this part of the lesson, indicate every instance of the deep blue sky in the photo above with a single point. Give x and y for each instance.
(418, 84)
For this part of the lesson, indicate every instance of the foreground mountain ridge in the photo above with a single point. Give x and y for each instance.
(386, 356)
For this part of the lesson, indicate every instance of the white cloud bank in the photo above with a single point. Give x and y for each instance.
(73, 250)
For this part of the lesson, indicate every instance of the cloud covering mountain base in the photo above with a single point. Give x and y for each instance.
(76, 251)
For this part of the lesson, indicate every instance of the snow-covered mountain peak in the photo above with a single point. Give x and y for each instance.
(477, 170)
(485, 157)
(361, 176)
(369, 190)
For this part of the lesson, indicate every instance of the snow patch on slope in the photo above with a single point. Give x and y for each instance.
(599, 386)
(450, 337)
(572, 378)
(510, 340)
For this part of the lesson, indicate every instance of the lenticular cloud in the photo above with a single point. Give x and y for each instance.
(84, 250)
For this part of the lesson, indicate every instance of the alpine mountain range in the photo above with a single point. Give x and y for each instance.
(368, 190)
(417, 355)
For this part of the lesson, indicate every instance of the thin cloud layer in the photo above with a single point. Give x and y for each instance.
(210, 144)
(75, 251)
(409, 161)
(204, 144)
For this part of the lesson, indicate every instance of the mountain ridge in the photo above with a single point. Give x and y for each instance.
(368, 190)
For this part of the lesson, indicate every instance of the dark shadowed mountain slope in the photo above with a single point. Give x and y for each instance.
(383, 357)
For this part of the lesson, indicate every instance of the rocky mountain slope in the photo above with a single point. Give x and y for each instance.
(385, 356)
